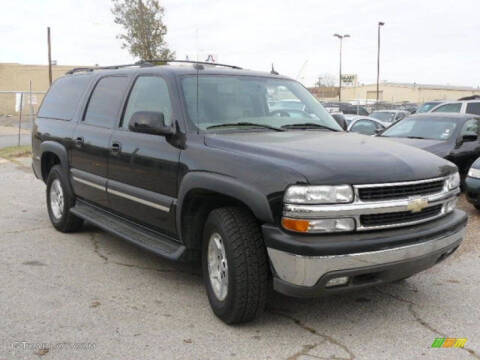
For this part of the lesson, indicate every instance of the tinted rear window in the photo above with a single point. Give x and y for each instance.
(104, 105)
(62, 99)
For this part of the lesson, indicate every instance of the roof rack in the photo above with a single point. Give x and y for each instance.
(151, 62)
(146, 63)
(110, 67)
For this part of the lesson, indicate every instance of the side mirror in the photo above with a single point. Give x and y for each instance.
(149, 122)
(469, 137)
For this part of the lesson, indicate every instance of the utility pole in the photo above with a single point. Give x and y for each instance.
(49, 56)
(341, 37)
(380, 24)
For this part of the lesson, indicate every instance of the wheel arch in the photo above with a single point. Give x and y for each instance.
(200, 193)
(51, 154)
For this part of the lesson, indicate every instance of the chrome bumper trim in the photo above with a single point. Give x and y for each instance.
(307, 270)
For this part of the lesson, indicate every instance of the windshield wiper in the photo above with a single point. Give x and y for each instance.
(415, 137)
(248, 124)
(307, 126)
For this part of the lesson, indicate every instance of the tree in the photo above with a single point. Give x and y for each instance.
(144, 35)
(326, 80)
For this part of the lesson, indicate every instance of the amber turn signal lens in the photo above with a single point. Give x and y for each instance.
(295, 224)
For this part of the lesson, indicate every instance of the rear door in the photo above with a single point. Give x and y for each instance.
(91, 139)
(142, 180)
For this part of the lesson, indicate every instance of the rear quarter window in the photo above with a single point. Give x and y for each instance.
(63, 97)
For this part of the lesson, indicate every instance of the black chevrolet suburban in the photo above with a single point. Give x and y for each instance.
(193, 162)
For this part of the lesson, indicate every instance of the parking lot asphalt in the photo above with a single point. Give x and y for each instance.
(90, 295)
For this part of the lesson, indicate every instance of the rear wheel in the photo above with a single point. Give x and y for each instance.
(60, 199)
(234, 263)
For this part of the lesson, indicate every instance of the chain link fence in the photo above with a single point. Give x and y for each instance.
(17, 112)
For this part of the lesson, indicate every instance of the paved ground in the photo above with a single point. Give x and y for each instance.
(90, 295)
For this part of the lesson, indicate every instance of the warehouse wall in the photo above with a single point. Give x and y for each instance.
(411, 93)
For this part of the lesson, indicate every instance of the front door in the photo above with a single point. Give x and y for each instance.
(142, 180)
(89, 155)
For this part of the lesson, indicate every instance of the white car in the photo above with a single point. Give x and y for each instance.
(459, 107)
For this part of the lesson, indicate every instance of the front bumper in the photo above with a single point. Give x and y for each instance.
(378, 257)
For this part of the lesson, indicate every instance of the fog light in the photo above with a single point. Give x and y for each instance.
(338, 281)
(450, 206)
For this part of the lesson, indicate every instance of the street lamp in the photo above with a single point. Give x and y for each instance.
(380, 24)
(341, 37)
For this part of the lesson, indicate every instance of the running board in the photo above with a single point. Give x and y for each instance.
(149, 240)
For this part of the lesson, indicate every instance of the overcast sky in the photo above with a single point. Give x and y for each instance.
(423, 41)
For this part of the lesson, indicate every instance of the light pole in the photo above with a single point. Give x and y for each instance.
(341, 37)
(380, 24)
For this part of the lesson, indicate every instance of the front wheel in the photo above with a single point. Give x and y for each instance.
(60, 199)
(234, 263)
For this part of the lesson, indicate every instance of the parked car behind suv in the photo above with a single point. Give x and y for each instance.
(389, 116)
(190, 162)
(454, 137)
(472, 184)
(365, 125)
(460, 106)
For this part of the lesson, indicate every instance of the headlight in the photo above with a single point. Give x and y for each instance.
(474, 173)
(453, 181)
(319, 225)
(301, 194)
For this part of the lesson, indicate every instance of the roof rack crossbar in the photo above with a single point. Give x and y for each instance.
(146, 63)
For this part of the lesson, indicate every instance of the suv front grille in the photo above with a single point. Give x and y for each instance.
(399, 191)
(399, 217)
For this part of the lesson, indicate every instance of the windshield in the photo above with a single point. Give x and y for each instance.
(427, 107)
(423, 127)
(383, 115)
(247, 101)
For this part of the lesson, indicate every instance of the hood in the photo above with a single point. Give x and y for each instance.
(438, 147)
(335, 157)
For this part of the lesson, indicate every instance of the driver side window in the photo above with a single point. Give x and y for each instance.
(149, 93)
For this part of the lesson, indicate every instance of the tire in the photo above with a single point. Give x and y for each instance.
(246, 265)
(477, 206)
(59, 210)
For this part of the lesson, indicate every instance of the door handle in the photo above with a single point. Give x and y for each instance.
(116, 148)
(79, 141)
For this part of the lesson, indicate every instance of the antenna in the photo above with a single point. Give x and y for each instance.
(273, 71)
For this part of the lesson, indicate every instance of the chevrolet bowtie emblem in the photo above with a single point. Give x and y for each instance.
(417, 205)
